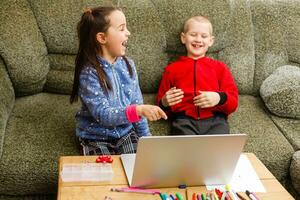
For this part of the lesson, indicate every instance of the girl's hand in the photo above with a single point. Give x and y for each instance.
(173, 96)
(152, 113)
(206, 99)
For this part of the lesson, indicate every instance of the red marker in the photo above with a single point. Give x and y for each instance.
(219, 193)
(194, 196)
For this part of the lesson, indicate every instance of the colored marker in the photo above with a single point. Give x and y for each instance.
(161, 196)
(165, 197)
(172, 197)
(198, 197)
(240, 196)
(225, 196)
(251, 196)
(211, 195)
(207, 197)
(178, 195)
(235, 195)
(194, 196)
(135, 190)
(216, 196)
(231, 193)
(203, 196)
(219, 193)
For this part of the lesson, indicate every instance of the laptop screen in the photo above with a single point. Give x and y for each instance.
(169, 161)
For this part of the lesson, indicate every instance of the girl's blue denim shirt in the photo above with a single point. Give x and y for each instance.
(101, 116)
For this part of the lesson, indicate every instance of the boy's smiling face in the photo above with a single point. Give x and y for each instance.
(197, 38)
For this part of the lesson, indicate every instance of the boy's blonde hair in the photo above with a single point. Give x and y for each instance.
(198, 18)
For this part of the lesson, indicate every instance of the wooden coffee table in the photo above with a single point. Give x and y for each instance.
(98, 190)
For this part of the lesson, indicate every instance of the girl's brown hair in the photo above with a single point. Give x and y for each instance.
(93, 21)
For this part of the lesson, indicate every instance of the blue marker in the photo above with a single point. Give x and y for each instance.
(165, 197)
(172, 197)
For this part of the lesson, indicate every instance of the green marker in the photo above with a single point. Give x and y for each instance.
(203, 196)
(162, 196)
(179, 196)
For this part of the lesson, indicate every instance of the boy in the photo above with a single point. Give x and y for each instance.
(200, 92)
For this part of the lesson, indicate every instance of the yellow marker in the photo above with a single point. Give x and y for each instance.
(231, 194)
(216, 196)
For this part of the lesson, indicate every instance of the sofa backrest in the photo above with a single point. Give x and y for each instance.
(42, 56)
(277, 36)
(232, 26)
(155, 28)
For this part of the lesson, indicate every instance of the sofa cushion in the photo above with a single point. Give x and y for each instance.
(295, 171)
(7, 100)
(61, 74)
(57, 21)
(40, 129)
(290, 128)
(281, 92)
(264, 138)
(22, 47)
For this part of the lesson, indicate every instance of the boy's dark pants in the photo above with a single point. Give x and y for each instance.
(184, 125)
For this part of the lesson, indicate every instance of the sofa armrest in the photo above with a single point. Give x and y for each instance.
(7, 99)
(280, 92)
(295, 171)
(22, 47)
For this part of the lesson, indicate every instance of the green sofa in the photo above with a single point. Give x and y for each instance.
(259, 40)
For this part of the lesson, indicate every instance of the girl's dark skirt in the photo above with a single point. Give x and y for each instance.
(124, 145)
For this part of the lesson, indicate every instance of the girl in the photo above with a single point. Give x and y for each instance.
(112, 116)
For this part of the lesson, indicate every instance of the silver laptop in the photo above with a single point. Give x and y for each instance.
(170, 161)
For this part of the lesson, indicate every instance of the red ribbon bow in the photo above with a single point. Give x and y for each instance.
(104, 159)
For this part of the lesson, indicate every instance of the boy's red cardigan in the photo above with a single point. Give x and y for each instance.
(192, 76)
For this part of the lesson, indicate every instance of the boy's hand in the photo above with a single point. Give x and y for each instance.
(206, 99)
(173, 96)
(152, 113)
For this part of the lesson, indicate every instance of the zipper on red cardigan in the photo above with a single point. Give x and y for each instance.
(195, 87)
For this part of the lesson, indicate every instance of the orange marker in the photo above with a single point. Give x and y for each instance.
(194, 196)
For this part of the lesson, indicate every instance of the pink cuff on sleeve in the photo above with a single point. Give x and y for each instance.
(131, 114)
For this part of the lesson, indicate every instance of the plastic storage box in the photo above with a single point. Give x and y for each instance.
(87, 172)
